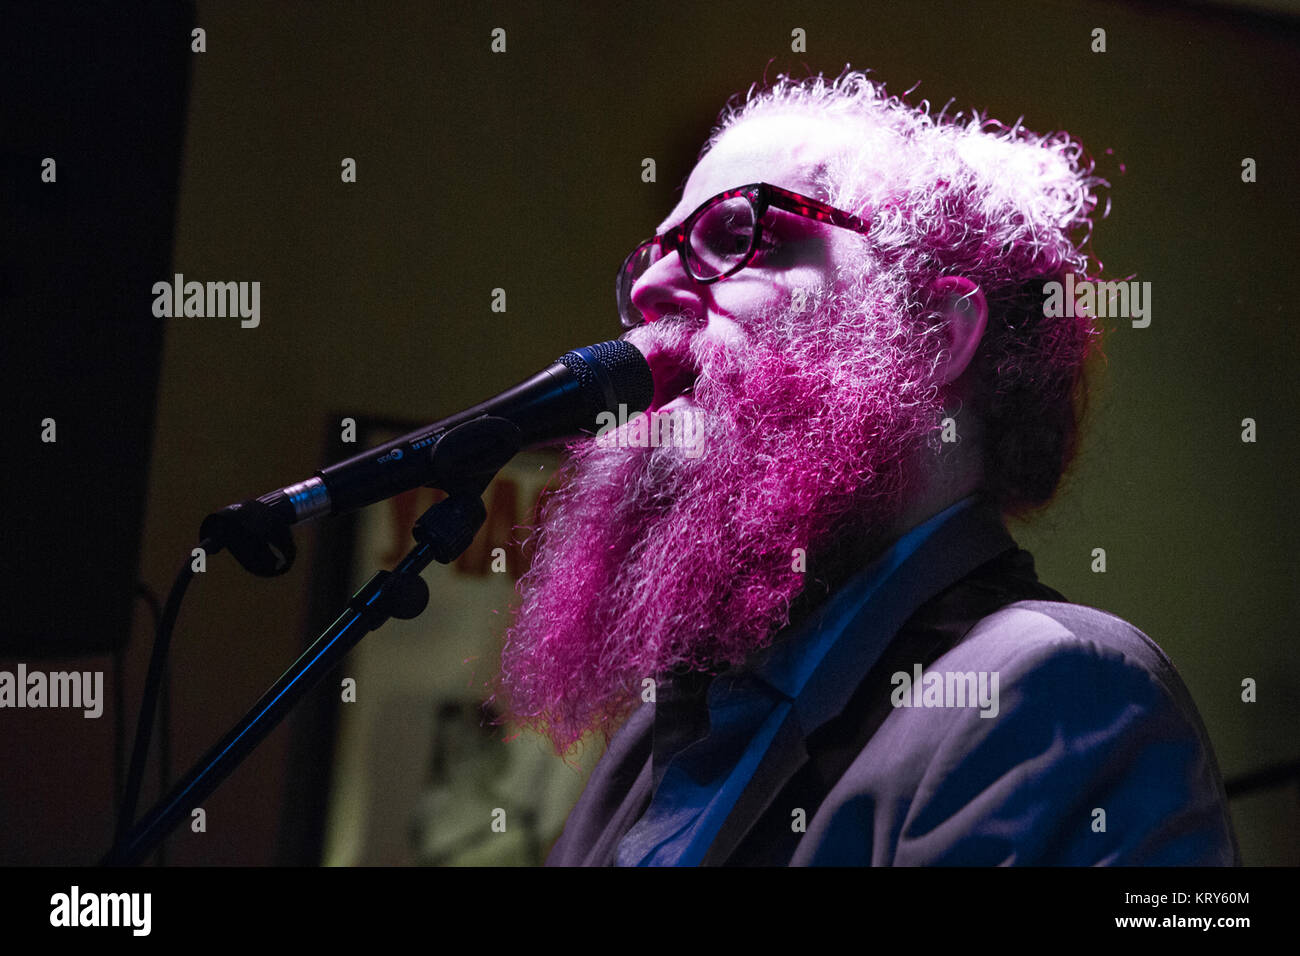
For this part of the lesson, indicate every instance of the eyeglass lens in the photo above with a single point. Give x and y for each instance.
(719, 239)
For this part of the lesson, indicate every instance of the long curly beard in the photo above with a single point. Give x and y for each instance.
(651, 560)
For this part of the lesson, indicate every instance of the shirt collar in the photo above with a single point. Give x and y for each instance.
(787, 665)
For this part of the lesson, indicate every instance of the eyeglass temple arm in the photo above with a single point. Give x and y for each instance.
(814, 209)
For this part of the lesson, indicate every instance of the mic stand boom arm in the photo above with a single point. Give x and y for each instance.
(442, 534)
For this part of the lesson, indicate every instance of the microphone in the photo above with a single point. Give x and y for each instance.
(561, 401)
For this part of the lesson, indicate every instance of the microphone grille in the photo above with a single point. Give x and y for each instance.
(611, 374)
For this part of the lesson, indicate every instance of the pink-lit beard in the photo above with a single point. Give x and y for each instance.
(649, 560)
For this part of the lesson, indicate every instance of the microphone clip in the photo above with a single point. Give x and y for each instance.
(256, 535)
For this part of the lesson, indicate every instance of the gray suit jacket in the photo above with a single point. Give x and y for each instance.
(1096, 754)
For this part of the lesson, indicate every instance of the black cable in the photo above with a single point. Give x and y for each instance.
(164, 748)
(152, 686)
(1265, 778)
(146, 594)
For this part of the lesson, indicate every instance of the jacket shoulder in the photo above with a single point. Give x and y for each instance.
(1078, 712)
(1026, 632)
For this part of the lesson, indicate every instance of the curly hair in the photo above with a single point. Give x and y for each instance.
(964, 195)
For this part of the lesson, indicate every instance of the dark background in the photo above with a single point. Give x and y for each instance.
(522, 171)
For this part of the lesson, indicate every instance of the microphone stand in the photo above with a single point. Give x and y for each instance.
(442, 534)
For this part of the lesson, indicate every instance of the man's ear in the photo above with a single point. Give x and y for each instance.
(961, 308)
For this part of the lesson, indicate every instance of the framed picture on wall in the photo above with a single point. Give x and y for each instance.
(398, 760)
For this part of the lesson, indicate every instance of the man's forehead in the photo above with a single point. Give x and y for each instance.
(787, 150)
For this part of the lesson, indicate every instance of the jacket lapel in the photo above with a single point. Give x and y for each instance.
(614, 798)
(963, 543)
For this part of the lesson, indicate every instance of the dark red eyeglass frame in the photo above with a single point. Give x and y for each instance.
(761, 196)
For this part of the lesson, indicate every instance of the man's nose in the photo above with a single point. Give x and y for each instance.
(665, 289)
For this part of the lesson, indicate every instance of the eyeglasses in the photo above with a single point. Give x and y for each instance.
(720, 238)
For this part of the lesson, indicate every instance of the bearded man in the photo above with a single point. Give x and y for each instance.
(811, 640)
